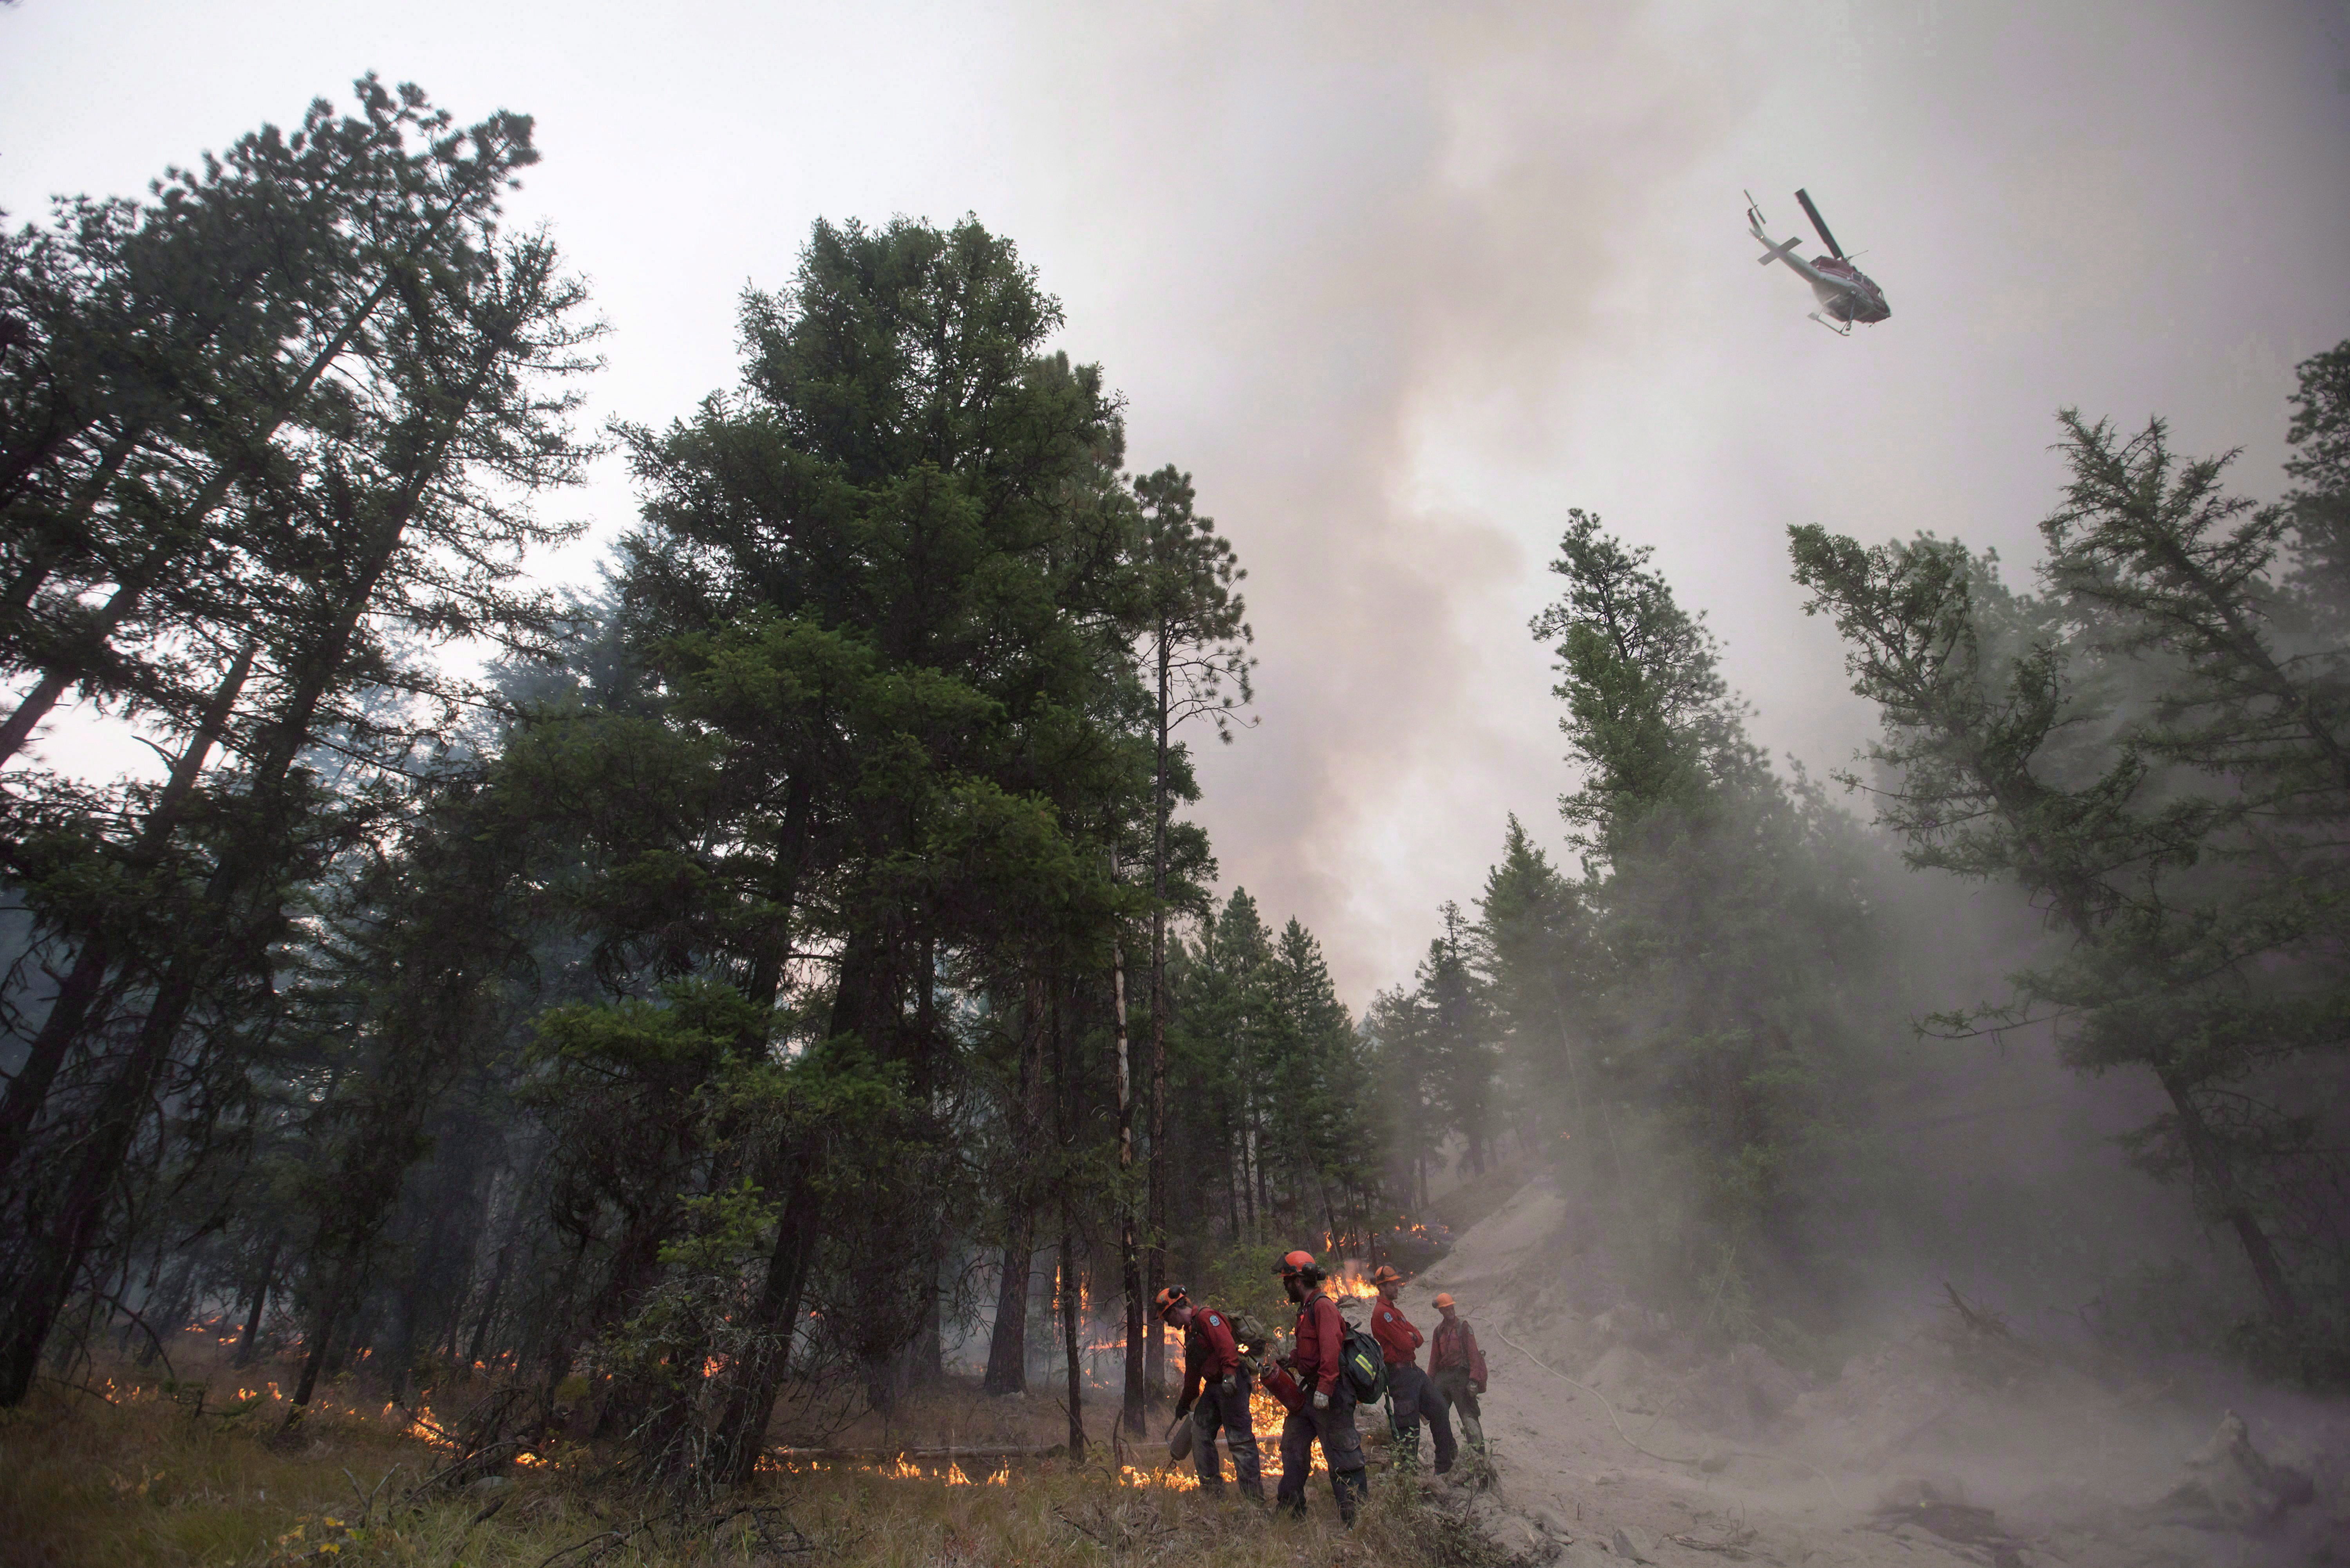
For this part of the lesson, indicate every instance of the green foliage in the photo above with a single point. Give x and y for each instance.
(1245, 1277)
(1271, 1092)
(1648, 717)
(1685, 1028)
(2154, 748)
(1434, 1058)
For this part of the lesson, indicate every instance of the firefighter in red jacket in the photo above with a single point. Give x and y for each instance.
(1328, 1416)
(1458, 1368)
(1410, 1395)
(1215, 1393)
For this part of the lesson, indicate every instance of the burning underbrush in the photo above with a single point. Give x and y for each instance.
(135, 1469)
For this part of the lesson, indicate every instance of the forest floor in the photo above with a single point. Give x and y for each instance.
(1948, 1439)
(132, 1469)
(1951, 1439)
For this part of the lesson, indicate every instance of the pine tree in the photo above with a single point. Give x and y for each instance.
(457, 396)
(1195, 648)
(1722, 916)
(2152, 748)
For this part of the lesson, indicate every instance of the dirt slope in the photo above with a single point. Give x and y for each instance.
(1945, 1445)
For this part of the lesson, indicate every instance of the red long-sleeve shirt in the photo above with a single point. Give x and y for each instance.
(1321, 1333)
(1211, 1354)
(1399, 1340)
(1456, 1346)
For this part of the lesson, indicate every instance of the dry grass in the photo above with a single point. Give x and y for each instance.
(89, 1483)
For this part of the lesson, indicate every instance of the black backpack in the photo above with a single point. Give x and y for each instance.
(1363, 1365)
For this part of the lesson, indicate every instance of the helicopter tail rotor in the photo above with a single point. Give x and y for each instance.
(1818, 223)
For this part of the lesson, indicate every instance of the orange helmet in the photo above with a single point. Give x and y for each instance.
(1299, 1262)
(1385, 1274)
(1169, 1300)
(1444, 1299)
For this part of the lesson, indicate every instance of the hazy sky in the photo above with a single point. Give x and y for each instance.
(1401, 283)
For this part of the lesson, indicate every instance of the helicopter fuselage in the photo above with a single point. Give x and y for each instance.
(1843, 291)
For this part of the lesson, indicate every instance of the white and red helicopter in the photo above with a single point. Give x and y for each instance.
(1844, 292)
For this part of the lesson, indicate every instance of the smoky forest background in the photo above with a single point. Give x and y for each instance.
(790, 970)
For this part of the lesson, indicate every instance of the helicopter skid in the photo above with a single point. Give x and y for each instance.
(1843, 330)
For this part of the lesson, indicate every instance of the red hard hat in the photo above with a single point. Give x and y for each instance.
(1298, 1263)
(1385, 1274)
(1169, 1298)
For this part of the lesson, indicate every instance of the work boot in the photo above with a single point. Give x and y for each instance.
(1480, 1467)
(1350, 1485)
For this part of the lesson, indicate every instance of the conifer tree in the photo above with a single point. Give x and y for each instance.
(1719, 915)
(2152, 747)
(1195, 641)
(388, 513)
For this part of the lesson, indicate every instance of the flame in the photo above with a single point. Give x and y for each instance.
(1002, 1476)
(904, 1470)
(714, 1366)
(1267, 1414)
(1351, 1287)
(955, 1476)
(1171, 1479)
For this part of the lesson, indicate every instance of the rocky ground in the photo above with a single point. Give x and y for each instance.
(1956, 1440)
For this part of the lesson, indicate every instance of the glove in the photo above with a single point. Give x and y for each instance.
(1181, 1411)
(1229, 1387)
(1321, 1400)
(1479, 1388)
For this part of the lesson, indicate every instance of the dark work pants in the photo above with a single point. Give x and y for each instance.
(1342, 1450)
(1215, 1413)
(1411, 1396)
(1453, 1384)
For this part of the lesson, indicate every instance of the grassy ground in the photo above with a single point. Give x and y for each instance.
(133, 1474)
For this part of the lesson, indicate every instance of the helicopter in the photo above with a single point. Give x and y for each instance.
(1844, 292)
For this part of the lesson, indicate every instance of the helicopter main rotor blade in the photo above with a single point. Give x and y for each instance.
(1820, 223)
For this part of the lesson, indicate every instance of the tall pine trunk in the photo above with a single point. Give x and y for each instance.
(758, 1373)
(248, 1342)
(1129, 1263)
(1154, 1374)
(1070, 1289)
(1007, 1347)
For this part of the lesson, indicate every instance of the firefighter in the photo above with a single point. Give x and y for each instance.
(1215, 1393)
(1410, 1395)
(1458, 1368)
(1328, 1414)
